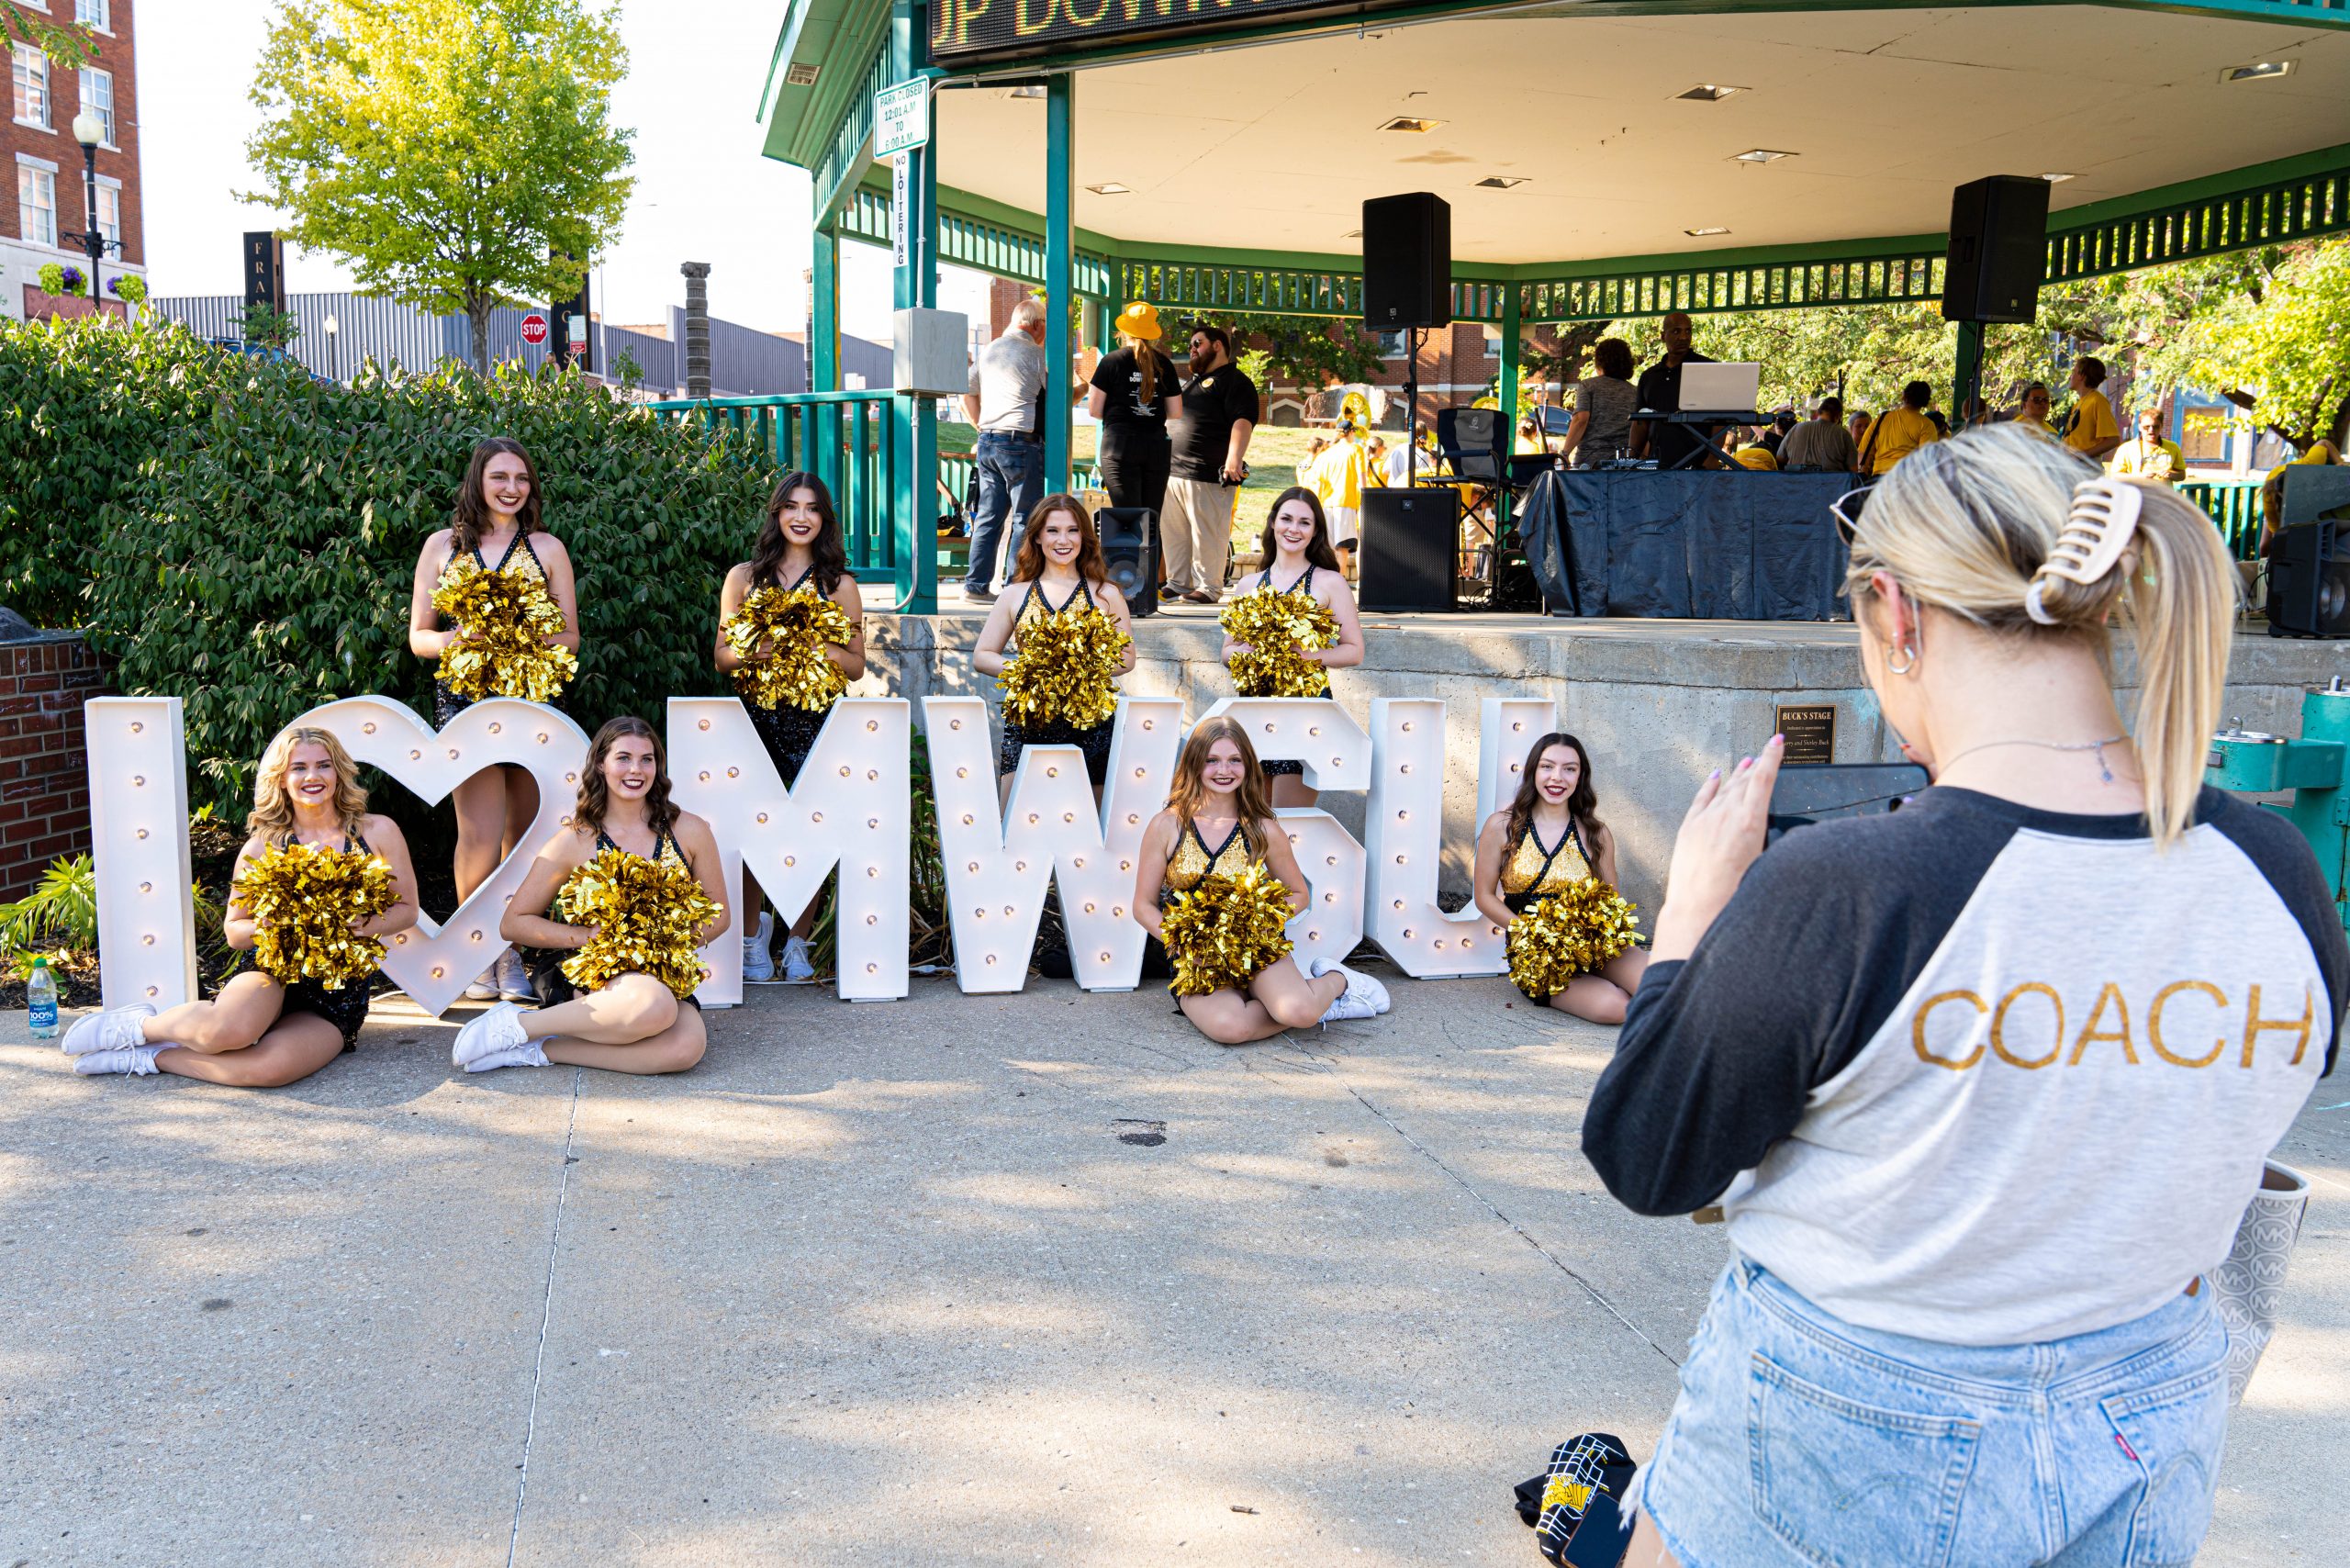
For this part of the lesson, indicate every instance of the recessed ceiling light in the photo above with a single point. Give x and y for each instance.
(1502, 182)
(1108, 188)
(799, 73)
(1708, 93)
(1759, 155)
(1405, 122)
(2055, 179)
(1028, 90)
(1701, 233)
(2259, 71)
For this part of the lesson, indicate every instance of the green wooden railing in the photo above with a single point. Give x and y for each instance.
(2233, 507)
(848, 439)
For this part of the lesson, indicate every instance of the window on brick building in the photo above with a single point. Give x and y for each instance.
(31, 84)
(110, 215)
(97, 97)
(35, 206)
(95, 14)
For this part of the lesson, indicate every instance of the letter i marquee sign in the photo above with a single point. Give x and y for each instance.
(980, 32)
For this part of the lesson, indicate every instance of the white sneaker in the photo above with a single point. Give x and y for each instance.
(530, 1053)
(485, 988)
(138, 1060)
(115, 1029)
(797, 969)
(513, 980)
(758, 951)
(1363, 998)
(493, 1029)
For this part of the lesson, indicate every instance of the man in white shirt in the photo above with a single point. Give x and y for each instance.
(1007, 389)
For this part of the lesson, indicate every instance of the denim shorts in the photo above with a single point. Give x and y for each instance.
(1799, 1438)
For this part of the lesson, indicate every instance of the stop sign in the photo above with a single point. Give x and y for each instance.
(534, 328)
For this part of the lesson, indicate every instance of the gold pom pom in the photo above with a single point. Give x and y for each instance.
(796, 628)
(1276, 626)
(1573, 932)
(1066, 667)
(304, 901)
(1225, 931)
(648, 916)
(508, 617)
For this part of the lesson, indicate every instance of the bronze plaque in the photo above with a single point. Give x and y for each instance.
(1810, 729)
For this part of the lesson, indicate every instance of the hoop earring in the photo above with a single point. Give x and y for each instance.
(1891, 669)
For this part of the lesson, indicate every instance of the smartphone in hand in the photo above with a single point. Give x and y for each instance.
(1819, 791)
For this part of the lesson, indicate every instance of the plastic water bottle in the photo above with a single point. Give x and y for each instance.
(41, 1001)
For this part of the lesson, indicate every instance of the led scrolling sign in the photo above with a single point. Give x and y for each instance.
(967, 32)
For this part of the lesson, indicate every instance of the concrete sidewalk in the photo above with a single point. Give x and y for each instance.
(1033, 1279)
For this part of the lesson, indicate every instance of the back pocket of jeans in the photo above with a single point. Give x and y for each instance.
(2174, 1432)
(1854, 1485)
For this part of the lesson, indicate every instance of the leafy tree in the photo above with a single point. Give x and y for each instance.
(268, 326)
(2280, 335)
(69, 48)
(1307, 351)
(459, 153)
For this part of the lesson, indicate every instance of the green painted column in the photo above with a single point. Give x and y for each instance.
(1060, 271)
(1513, 331)
(913, 422)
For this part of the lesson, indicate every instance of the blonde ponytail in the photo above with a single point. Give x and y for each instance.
(1965, 524)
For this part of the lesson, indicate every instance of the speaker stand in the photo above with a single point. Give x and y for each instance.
(1411, 405)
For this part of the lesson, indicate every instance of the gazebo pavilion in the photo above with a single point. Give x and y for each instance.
(1616, 159)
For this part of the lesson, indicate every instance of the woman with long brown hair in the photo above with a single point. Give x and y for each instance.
(1060, 565)
(257, 1032)
(799, 544)
(497, 517)
(1548, 839)
(1299, 559)
(632, 1023)
(1219, 822)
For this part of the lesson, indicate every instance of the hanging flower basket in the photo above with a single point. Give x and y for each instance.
(128, 287)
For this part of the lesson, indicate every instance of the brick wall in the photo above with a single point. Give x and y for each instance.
(44, 776)
(52, 144)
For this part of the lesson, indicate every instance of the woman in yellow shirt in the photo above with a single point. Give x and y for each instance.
(1896, 432)
(2090, 429)
(2033, 413)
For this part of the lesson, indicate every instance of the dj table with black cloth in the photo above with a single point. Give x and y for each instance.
(1706, 545)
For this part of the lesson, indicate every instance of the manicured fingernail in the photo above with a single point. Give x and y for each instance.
(1716, 773)
(1744, 763)
(1778, 740)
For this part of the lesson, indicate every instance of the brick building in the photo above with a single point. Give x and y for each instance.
(45, 676)
(45, 165)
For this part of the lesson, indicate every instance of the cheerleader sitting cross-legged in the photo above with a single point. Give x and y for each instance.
(627, 856)
(1218, 857)
(1545, 850)
(261, 1031)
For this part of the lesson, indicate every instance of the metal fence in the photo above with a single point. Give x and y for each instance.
(2233, 506)
(847, 439)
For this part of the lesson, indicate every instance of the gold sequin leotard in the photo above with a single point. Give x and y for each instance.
(1530, 871)
(447, 704)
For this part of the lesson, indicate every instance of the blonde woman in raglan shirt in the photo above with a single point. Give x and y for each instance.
(1985, 1086)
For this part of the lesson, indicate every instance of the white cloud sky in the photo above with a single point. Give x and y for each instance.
(703, 190)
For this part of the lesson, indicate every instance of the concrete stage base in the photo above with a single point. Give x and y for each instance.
(1659, 704)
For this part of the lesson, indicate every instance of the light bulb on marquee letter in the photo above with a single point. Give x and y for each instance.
(1404, 818)
(852, 808)
(1051, 830)
(435, 962)
(1336, 753)
(137, 757)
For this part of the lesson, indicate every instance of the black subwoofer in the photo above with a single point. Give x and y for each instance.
(1410, 539)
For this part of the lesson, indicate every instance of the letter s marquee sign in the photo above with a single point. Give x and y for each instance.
(983, 33)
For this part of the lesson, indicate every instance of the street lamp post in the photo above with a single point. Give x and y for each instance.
(90, 133)
(335, 365)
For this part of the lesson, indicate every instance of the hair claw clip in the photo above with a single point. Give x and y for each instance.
(2103, 520)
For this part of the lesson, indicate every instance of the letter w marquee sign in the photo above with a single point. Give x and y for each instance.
(982, 32)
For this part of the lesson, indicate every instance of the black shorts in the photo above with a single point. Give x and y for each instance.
(345, 1008)
(788, 733)
(555, 987)
(1094, 743)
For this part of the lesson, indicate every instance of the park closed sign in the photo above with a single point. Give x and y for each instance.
(901, 117)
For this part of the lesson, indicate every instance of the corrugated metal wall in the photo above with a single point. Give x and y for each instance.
(743, 361)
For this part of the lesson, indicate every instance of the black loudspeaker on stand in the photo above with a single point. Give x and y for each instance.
(1409, 541)
(1130, 547)
(1999, 245)
(2309, 570)
(1407, 261)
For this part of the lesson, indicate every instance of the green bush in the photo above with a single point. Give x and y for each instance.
(85, 408)
(262, 566)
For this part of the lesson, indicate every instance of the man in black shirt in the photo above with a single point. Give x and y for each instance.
(1210, 445)
(1660, 392)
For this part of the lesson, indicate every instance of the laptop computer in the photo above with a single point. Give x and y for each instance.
(1723, 388)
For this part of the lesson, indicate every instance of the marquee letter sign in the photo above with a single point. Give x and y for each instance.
(138, 753)
(999, 858)
(1404, 822)
(852, 808)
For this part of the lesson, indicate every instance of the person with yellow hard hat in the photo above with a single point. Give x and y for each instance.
(1134, 392)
